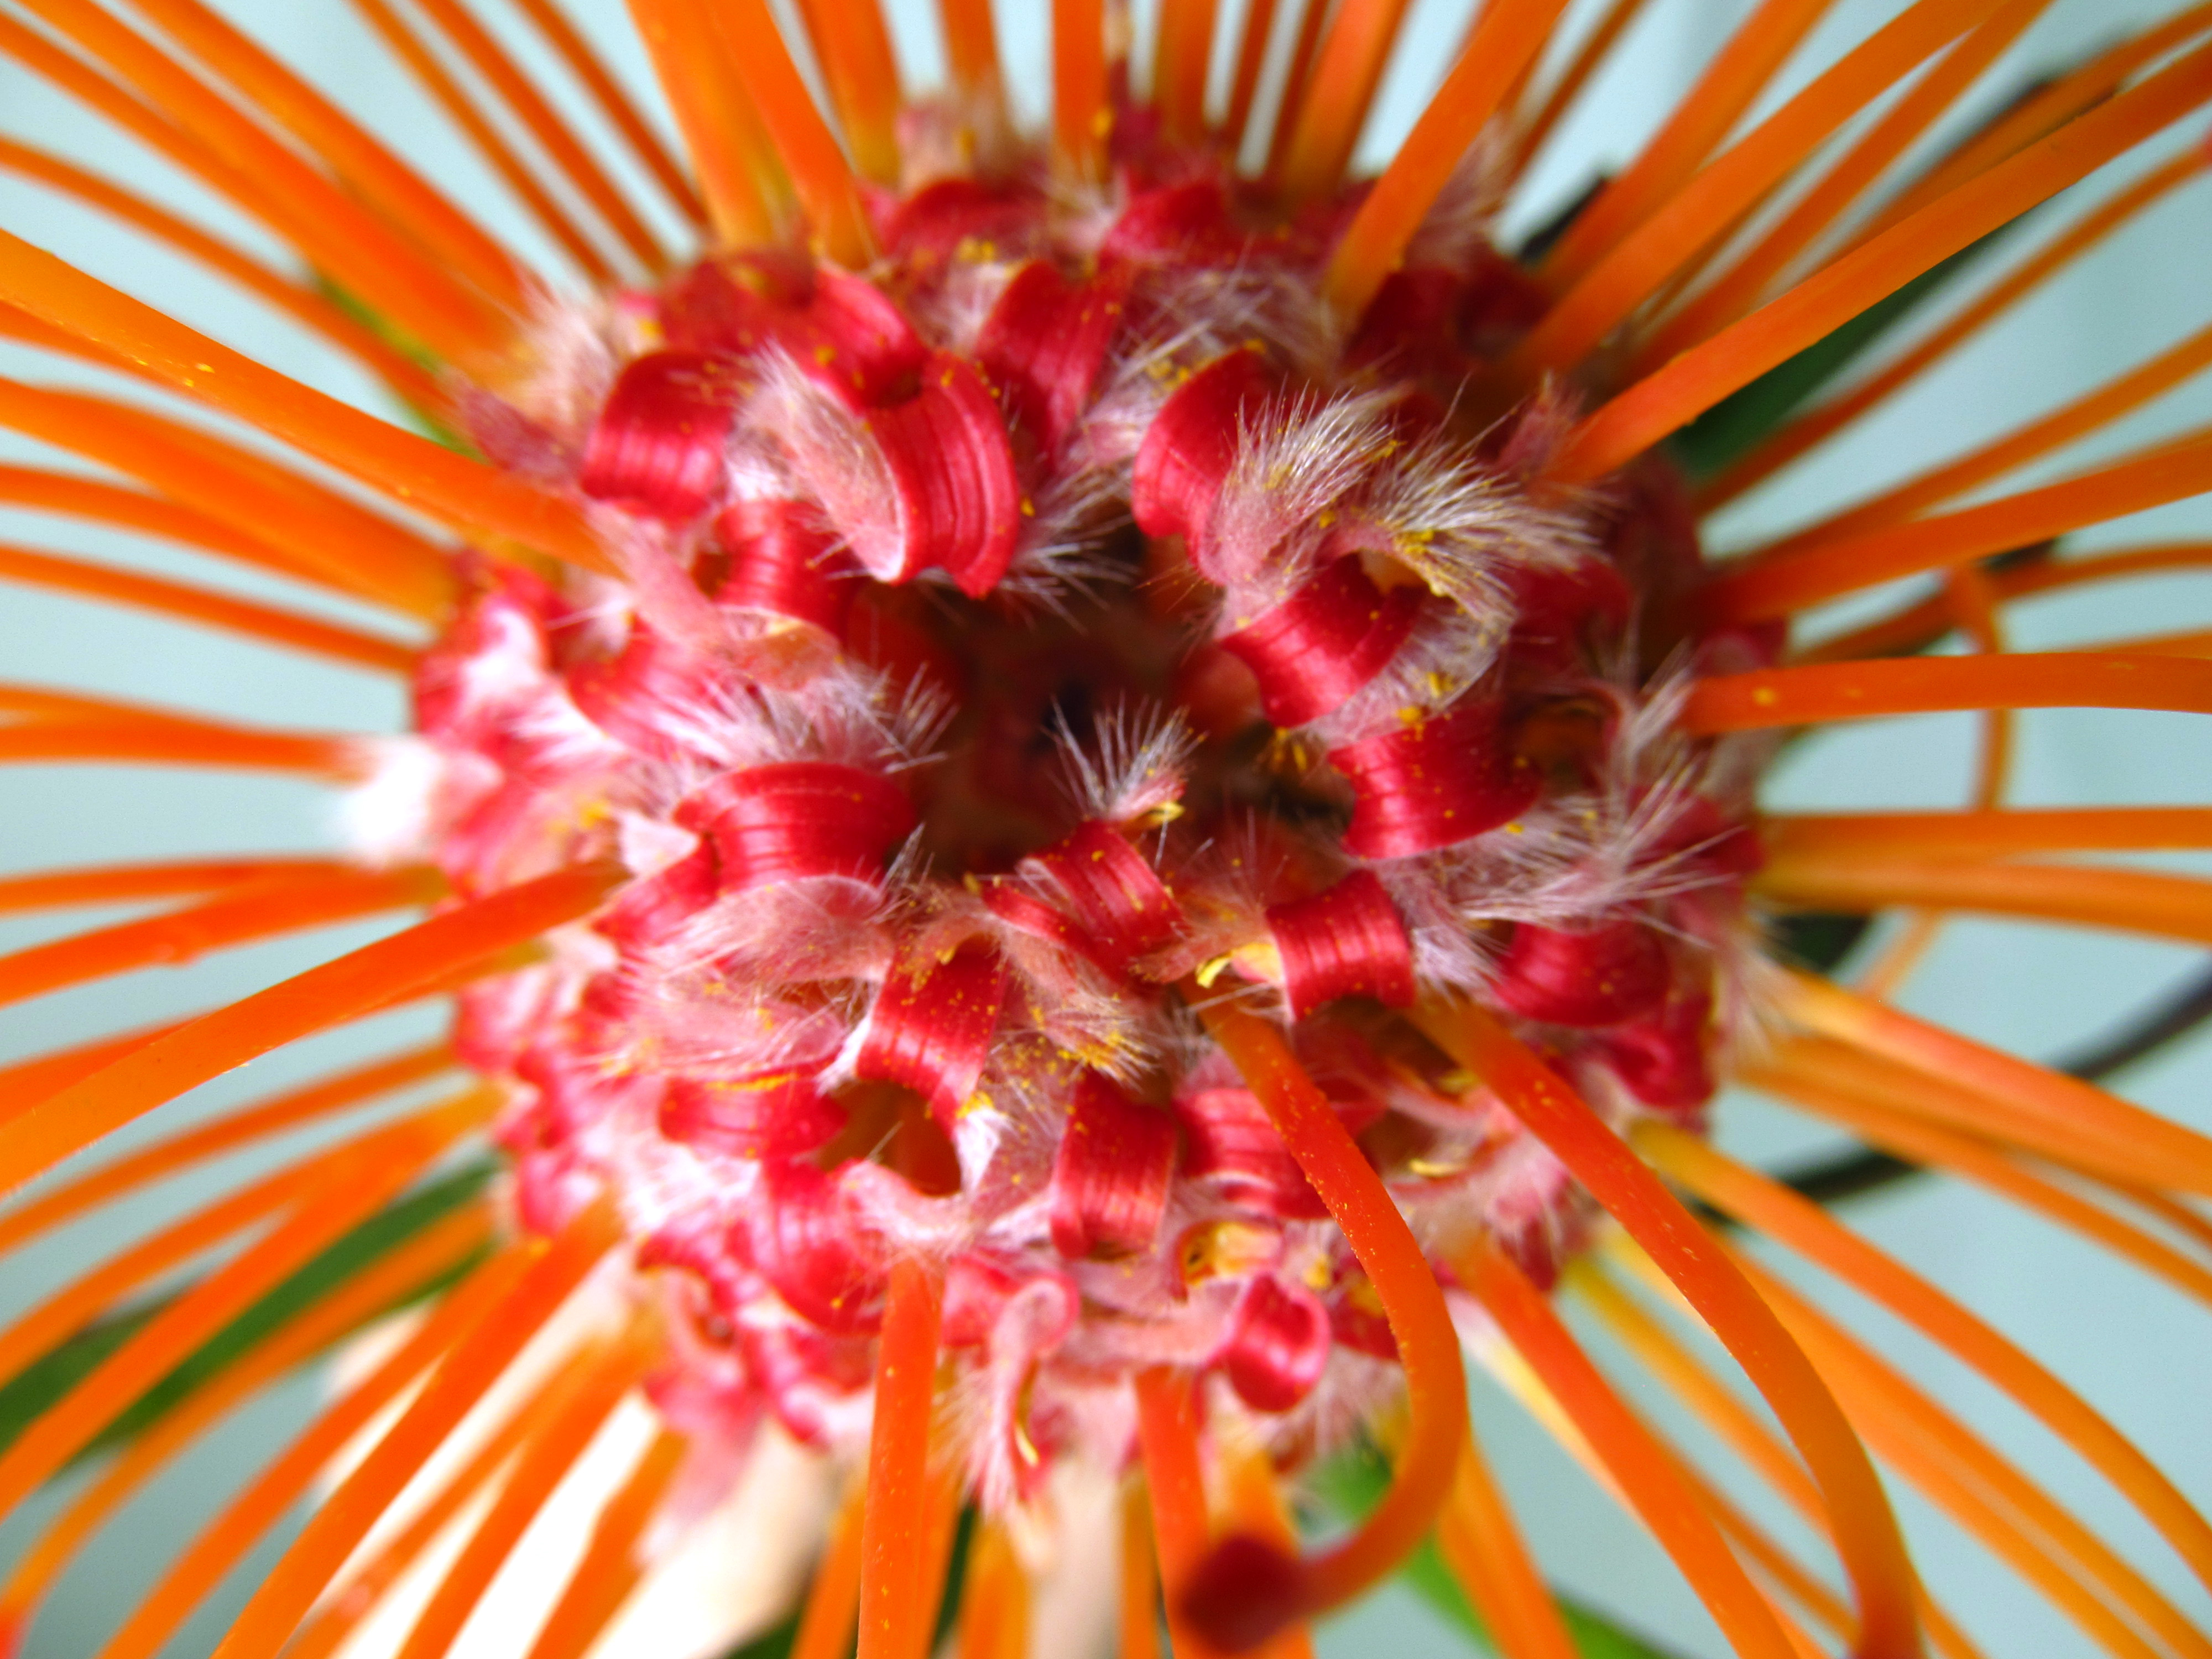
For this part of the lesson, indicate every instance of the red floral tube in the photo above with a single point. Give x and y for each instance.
(1046, 341)
(1190, 446)
(1348, 941)
(1434, 783)
(1110, 1179)
(660, 447)
(1591, 976)
(799, 819)
(953, 473)
(1118, 900)
(931, 1024)
(784, 561)
(1314, 650)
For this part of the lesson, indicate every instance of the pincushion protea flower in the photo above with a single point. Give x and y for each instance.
(1090, 806)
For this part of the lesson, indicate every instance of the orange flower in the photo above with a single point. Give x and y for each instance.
(1090, 809)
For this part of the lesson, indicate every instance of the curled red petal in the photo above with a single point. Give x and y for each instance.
(1316, 650)
(647, 911)
(1186, 224)
(1109, 1178)
(844, 333)
(1412, 325)
(764, 1118)
(1558, 612)
(799, 819)
(1189, 448)
(1347, 941)
(1278, 1344)
(631, 695)
(931, 1024)
(659, 447)
(1664, 1057)
(1591, 976)
(784, 561)
(1230, 1142)
(935, 221)
(798, 1235)
(952, 470)
(1116, 896)
(1434, 783)
(1046, 341)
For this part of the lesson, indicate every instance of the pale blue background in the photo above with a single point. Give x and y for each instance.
(2134, 1350)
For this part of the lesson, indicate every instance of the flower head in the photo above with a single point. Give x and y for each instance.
(1091, 806)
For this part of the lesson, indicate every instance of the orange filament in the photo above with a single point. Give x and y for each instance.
(1183, 58)
(257, 911)
(270, 1495)
(26, 1082)
(613, 1562)
(1596, 47)
(1807, 1229)
(242, 616)
(2135, 901)
(994, 1599)
(345, 1186)
(592, 1385)
(1859, 1517)
(339, 233)
(2033, 1091)
(1333, 101)
(808, 149)
(1649, 1478)
(1730, 83)
(1779, 449)
(721, 132)
(615, 104)
(1679, 227)
(1428, 1347)
(1847, 691)
(1298, 75)
(490, 143)
(339, 990)
(240, 1129)
(1136, 1604)
(308, 531)
(1258, 25)
(1690, 384)
(178, 743)
(1729, 296)
(405, 376)
(853, 46)
(1081, 107)
(426, 475)
(1257, 1508)
(520, 95)
(357, 159)
(833, 1599)
(391, 1279)
(1979, 835)
(474, 1363)
(1506, 42)
(107, 503)
(1936, 1452)
(100, 884)
(896, 1603)
(1482, 1547)
(971, 51)
(1167, 1437)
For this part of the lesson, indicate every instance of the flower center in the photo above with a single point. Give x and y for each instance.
(1056, 629)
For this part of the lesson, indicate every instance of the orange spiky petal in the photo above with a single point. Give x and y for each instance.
(1183, 58)
(809, 150)
(994, 1604)
(853, 46)
(2135, 901)
(1984, 835)
(1138, 1587)
(1594, 48)
(826, 1623)
(1082, 109)
(1174, 1484)
(1847, 691)
(1333, 98)
(612, 1561)
(896, 1605)
(1479, 1541)
(1255, 31)
(971, 52)
(616, 104)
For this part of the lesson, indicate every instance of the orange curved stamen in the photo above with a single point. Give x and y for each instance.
(1863, 690)
(1174, 1485)
(1807, 1229)
(1669, 399)
(897, 1606)
(2135, 901)
(1649, 1478)
(2065, 1104)
(1679, 226)
(219, 1545)
(447, 93)
(1934, 1452)
(418, 1262)
(1335, 97)
(833, 1599)
(1738, 288)
(1482, 1547)
(1786, 445)
(554, 135)
(1506, 42)
(474, 1363)
(612, 1563)
(384, 265)
(1428, 1347)
(1865, 1531)
(739, 173)
(260, 910)
(621, 112)
(1255, 30)
(591, 1385)
(852, 49)
(971, 51)
(1136, 1604)
(1256, 1507)
(99, 883)
(1182, 56)
(1298, 75)
(402, 373)
(1735, 77)
(180, 743)
(802, 139)
(1984, 835)
(425, 475)
(1082, 107)
(26, 1082)
(355, 156)
(198, 604)
(1596, 47)
(102, 502)
(994, 1599)
(339, 990)
(240, 1128)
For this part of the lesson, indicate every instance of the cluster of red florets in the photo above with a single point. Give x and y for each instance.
(936, 775)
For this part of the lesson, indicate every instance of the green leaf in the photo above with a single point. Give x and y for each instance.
(42, 1384)
(1819, 940)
